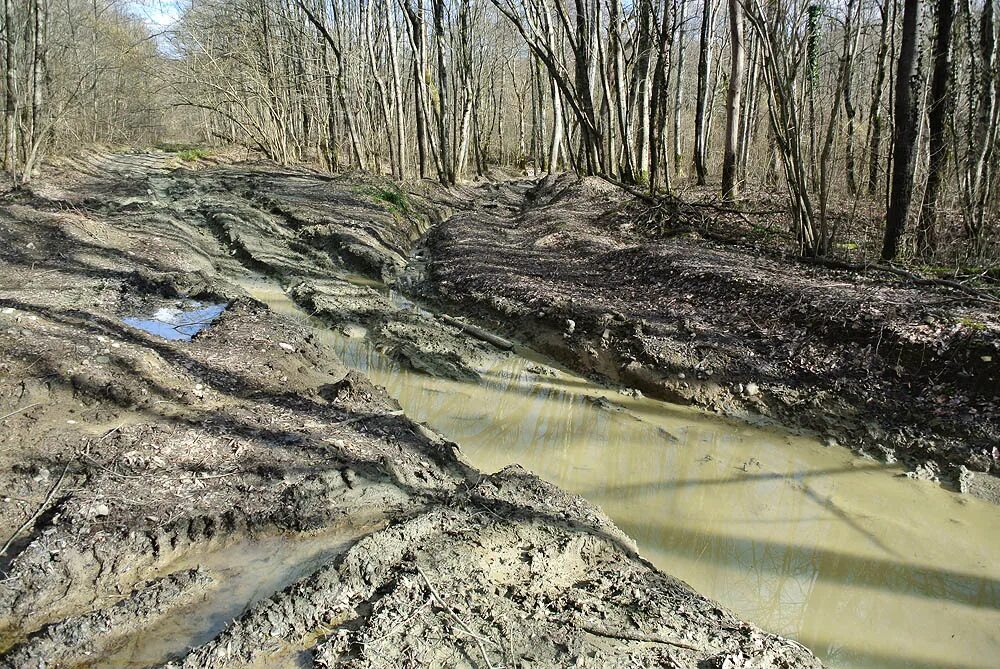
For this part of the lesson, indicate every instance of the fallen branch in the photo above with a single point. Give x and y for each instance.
(479, 333)
(626, 635)
(38, 512)
(902, 273)
(358, 419)
(465, 628)
(14, 413)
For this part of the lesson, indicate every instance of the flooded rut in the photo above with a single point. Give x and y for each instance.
(245, 572)
(864, 566)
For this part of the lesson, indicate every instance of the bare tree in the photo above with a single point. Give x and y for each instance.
(10, 106)
(701, 110)
(730, 178)
(904, 141)
(939, 120)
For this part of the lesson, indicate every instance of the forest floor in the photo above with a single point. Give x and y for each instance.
(895, 370)
(239, 497)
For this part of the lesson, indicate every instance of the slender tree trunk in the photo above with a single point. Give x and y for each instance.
(983, 131)
(905, 133)
(701, 109)
(397, 91)
(730, 178)
(447, 175)
(678, 151)
(10, 108)
(875, 118)
(812, 69)
(939, 120)
(557, 129)
(850, 112)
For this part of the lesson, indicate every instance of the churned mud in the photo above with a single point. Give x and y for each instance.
(893, 370)
(234, 495)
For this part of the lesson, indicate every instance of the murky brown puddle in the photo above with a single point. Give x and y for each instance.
(245, 573)
(865, 567)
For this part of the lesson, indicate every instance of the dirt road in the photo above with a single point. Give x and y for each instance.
(190, 479)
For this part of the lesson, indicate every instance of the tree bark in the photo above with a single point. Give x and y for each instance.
(10, 108)
(875, 120)
(730, 178)
(700, 115)
(939, 120)
(905, 133)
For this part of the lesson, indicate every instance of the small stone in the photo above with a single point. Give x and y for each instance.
(830, 441)
(101, 510)
(8, 310)
(30, 245)
(987, 358)
(198, 386)
(570, 326)
(353, 331)
(682, 375)
(71, 422)
(751, 389)
(286, 347)
(42, 475)
(738, 388)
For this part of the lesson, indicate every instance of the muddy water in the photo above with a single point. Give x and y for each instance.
(867, 568)
(244, 573)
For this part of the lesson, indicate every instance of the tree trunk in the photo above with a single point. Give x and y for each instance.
(905, 133)
(447, 175)
(10, 108)
(700, 114)
(875, 120)
(939, 120)
(679, 94)
(730, 178)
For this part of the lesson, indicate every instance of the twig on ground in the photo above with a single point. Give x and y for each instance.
(12, 413)
(38, 512)
(458, 621)
(635, 636)
(358, 419)
(910, 276)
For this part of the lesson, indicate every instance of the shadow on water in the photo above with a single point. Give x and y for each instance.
(820, 563)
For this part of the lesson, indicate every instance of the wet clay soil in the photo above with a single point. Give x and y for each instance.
(145, 478)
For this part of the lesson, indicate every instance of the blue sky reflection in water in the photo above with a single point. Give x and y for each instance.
(178, 324)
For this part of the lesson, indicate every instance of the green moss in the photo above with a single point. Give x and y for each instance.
(392, 198)
(186, 152)
(192, 154)
(972, 324)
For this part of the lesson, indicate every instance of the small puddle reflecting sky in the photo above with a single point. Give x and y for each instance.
(868, 569)
(178, 323)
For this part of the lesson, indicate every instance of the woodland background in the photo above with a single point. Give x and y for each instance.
(867, 128)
